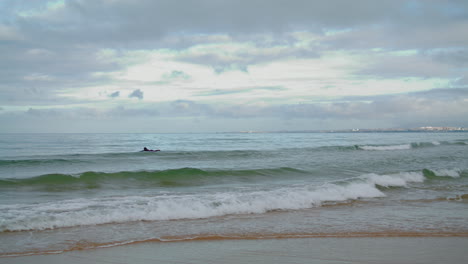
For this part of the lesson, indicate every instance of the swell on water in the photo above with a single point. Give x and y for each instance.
(196, 177)
(164, 178)
(71, 158)
(254, 200)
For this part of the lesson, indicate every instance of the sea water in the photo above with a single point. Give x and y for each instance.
(61, 192)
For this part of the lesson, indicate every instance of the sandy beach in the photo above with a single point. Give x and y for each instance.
(308, 250)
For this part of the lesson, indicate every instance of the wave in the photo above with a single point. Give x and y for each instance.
(79, 212)
(394, 180)
(437, 173)
(92, 158)
(184, 177)
(402, 179)
(173, 206)
(37, 162)
(162, 178)
(385, 147)
(407, 146)
(174, 155)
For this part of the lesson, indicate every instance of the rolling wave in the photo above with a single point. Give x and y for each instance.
(162, 178)
(167, 206)
(386, 147)
(199, 177)
(407, 146)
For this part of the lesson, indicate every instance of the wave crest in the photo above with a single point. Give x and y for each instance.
(79, 212)
(163, 178)
(121, 209)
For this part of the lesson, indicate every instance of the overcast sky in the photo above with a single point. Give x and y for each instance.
(222, 65)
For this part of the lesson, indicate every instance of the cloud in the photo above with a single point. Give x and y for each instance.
(142, 21)
(128, 112)
(9, 34)
(227, 56)
(440, 107)
(137, 94)
(240, 90)
(455, 57)
(412, 64)
(373, 62)
(38, 77)
(114, 94)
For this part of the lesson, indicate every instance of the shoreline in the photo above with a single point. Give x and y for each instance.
(83, 246)
(321, 250)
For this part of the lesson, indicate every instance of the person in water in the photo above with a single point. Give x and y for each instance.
(146, 149)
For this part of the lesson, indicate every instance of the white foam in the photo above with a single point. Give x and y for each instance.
(94, 211)
(388, 147)
(394, 180)
(447, 173)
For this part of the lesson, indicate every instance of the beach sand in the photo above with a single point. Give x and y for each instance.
(426, 250)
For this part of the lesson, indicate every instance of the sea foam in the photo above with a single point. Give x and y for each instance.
(79, 212)
(394, 180)
(447, 173)
(174, 206)
(387, 147)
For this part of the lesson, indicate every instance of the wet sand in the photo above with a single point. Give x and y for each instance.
(424, 250)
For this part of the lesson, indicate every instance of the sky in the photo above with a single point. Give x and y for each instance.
(162, 66)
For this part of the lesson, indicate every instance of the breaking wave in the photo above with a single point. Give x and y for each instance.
(386, 147)
(413, 145)
(121, 209)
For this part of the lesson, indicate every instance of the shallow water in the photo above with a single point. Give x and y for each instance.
(61, 192)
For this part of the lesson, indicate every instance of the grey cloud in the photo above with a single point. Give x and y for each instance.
(462, 81)
(455, 57)
(241, 90)
(218, 63)
(62, 44)
(43, 54)
(137, 94)
(122, 111)
(63, 113)
(144, 20)
(188, 108)
(451, 94)
(413, 106)
(440, 94)
(175, 76)
(242, 59)
(444, 107)
(26, 67)
(32, 95)
(114, 94)
(394, 35)
(419, 65)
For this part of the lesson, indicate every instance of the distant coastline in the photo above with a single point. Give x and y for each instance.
(371, 130)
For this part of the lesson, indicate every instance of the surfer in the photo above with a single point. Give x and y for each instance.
(153, 150)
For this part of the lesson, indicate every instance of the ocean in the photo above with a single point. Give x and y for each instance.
(66, 192)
